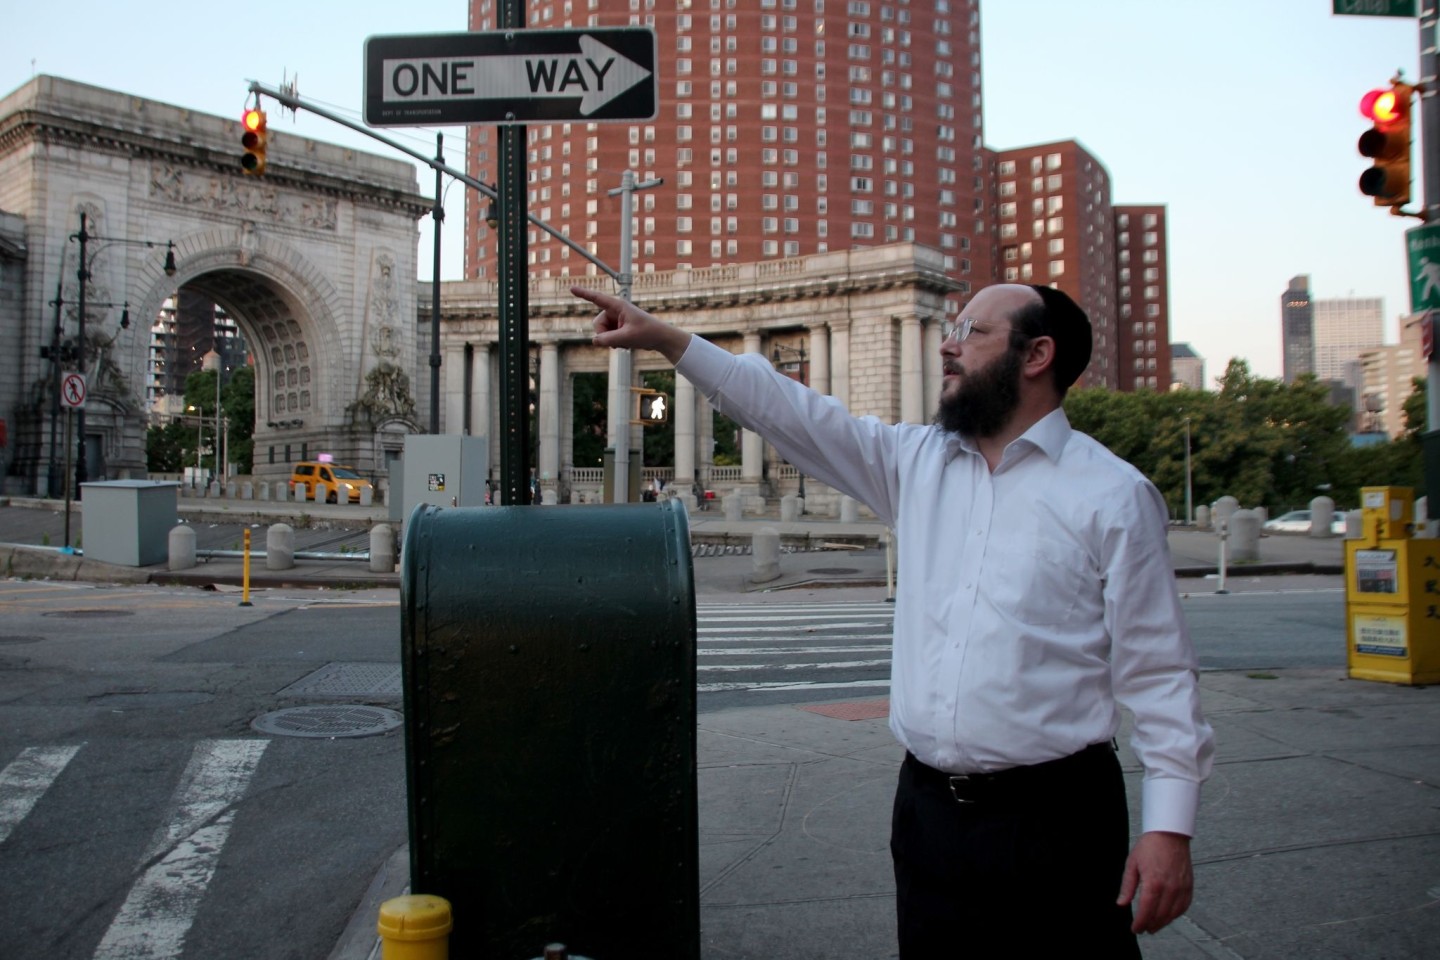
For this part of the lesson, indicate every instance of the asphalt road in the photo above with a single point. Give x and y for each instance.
(125, 727)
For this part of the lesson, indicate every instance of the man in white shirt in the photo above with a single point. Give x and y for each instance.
(1036, 596)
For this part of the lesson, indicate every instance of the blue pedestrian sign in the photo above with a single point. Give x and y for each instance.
(511, 76)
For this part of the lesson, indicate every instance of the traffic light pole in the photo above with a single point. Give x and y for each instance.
(617, 422)
(1430, 182)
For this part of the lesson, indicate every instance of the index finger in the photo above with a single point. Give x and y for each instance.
(602, 300)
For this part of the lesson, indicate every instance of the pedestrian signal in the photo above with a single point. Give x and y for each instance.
(654, 407)
(252, 161)
(1387, 143)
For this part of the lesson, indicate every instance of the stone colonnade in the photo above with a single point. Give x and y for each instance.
(862, 325)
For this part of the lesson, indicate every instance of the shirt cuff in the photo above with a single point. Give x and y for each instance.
(1169, 804)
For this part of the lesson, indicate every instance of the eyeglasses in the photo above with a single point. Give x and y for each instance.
(957, 330)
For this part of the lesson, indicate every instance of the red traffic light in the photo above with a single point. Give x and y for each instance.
(1388, 107)
(253, 119)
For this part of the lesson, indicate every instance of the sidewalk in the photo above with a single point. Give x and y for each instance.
(817, 552)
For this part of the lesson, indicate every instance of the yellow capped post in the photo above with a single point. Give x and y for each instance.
(415, 927)
(245, 577)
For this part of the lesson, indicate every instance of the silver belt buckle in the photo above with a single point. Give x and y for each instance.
(956, 780)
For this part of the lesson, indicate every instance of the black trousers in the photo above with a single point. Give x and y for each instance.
(1029, 865)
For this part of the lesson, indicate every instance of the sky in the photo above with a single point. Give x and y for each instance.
(1240, 116)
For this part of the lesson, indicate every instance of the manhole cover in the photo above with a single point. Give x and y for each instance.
(326, 721)
(12, 640)
(835, 571)
(88, 614)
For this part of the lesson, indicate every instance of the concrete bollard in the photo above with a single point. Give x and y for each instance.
(1224, 507)
(214, 488)
(1322, 512)
(280, 547)
(1202, 517)
(549, 496)
(264, 492)
(247, 491)
(734, 506)
(849, 510)
(182, 547)
(382, 548)
(414, 927)
(367, 496)
(765, 549)
(790, 508)
(1244, 536)
(232, 490)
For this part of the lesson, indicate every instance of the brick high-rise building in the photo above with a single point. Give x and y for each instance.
(1056, 226)
(786, 127)
(1142, 276)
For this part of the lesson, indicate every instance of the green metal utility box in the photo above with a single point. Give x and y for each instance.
(549, 672)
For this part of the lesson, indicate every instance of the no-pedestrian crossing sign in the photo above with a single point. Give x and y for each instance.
(72, 390)
(511, 76)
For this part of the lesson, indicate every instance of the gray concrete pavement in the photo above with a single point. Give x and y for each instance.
(1319, 833)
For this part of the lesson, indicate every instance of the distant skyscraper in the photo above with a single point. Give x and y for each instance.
(1187, 368)
(1297, 329)
(1343, 329)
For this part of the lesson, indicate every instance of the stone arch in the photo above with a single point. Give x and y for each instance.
(289, 312)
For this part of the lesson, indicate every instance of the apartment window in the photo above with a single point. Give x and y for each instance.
(862, 231)
(1057, 268)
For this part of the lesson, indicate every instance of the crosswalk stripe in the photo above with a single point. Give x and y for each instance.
(744, 638)
(825, 665)
(757, 651)
(156, 916)
(26, 778)
(788, 628)
(722, 687)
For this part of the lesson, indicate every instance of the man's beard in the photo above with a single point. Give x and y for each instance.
(985, 400)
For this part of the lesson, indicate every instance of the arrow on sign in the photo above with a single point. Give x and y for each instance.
(597, 75)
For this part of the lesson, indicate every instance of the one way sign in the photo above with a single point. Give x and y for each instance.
(511, 76)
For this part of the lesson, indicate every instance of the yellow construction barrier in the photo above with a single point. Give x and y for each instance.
(415, 927)
(1392, 594)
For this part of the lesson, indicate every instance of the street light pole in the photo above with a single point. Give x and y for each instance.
(82, 274)
(618, 418)
(1189, 515)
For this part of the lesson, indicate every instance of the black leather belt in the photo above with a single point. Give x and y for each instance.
(1017, 784)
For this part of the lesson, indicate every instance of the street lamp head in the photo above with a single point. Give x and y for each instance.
(125, 317)
(170, 268)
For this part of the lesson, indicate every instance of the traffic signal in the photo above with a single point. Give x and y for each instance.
(1387, 143)
(252, 161)
(654, 407)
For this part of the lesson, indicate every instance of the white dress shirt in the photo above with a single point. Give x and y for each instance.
(1031, 600)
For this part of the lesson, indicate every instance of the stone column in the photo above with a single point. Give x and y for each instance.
(482, 403)
(705, 414)
(453, 401)
(930, 363)
(840, 361)
(819, 355)
(684, 434)
(549, 425)
(752, 447)
(912, 382)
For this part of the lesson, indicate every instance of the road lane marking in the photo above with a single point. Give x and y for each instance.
(26, 778)
(157, 914)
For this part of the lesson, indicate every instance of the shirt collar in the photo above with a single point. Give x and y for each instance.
(1049, 434)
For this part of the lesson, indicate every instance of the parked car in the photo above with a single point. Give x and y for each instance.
(310, 474)
(1298, 521)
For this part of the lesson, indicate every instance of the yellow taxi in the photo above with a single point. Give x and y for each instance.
(328, 477)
